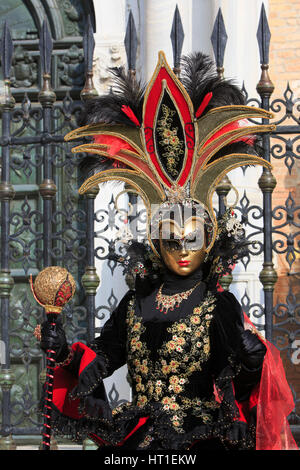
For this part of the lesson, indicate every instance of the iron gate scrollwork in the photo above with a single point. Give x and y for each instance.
(43, 221)
(43, 225)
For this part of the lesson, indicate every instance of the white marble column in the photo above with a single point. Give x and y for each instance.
(158, 19)
(241, 63)
(109, 52)
(241, 57)
(109, 40)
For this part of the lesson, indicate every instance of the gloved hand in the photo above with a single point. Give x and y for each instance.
(97, 408)
(96, 404)
(252, 350)
(53, 337)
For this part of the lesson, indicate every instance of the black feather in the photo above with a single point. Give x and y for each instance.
(130, 89)
(199, 77)
(91, 164)
(249, 147)
(107, 109)
(196, 69)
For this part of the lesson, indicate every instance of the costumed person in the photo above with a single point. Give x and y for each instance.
(202, 377)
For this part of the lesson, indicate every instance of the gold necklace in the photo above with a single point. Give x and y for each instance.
(172, 301)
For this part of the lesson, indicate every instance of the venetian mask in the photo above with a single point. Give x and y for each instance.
(183, 248)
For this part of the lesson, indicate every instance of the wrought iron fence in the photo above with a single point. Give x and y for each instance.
(45, 222)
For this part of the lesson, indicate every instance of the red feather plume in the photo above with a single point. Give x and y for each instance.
(204, 103)
(128, 111)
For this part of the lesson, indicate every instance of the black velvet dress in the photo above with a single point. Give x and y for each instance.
(188, 371)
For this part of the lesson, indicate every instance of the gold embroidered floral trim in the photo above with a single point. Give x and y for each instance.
(146, 442)
(170, 142)
(183, 354)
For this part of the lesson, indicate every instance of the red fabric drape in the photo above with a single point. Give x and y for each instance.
(274, 402)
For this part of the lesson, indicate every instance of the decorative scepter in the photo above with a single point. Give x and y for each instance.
(52, 289)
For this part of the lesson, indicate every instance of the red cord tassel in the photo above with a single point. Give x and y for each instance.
(50, 359)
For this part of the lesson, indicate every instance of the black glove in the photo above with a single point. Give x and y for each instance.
(53, 337)
(252, 350)
(97, 408)
(96, 404)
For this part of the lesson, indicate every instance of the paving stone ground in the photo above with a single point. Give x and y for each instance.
(60, 447)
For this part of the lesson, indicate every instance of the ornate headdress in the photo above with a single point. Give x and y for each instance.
(173, 140)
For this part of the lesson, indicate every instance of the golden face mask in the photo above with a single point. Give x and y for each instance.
(183, 249)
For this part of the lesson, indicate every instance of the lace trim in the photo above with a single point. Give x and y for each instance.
(161, 431)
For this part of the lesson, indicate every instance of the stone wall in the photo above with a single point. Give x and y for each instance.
(284, 21)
